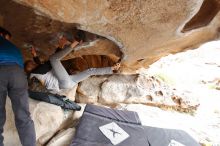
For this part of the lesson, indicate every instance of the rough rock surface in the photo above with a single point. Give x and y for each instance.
(100, 47)
(47, 118)
(143, 89)
(88, 90)
(145, 30)
(63, 138)
(70, 93)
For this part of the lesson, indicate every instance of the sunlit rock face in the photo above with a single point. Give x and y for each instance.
(144, 89)
(143, 30)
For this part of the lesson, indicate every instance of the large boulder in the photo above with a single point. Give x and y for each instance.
(88, 90)
(69, 93)
(143, 89)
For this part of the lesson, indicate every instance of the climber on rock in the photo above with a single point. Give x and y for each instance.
(13, 83)
(53, 74)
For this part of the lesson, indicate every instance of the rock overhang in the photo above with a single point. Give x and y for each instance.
(144, 30)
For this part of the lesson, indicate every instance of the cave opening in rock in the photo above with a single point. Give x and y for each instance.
(34, 28)
(95, 52)
(84, 62)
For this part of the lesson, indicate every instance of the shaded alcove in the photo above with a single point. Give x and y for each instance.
(79, 64)
(204, 16)
(30, 27)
